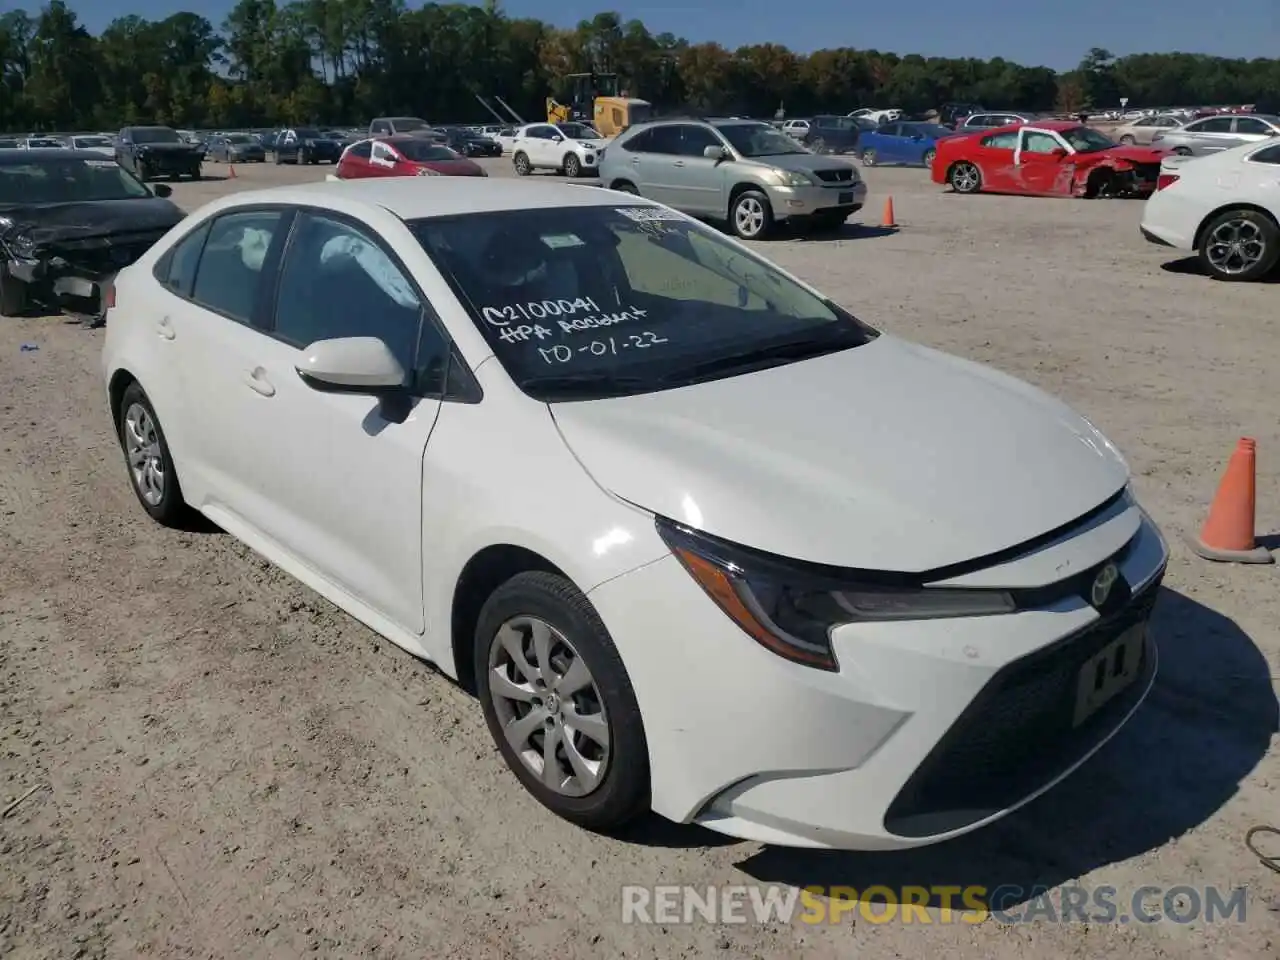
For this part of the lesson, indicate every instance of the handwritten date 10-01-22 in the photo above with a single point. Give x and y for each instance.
(609, 346)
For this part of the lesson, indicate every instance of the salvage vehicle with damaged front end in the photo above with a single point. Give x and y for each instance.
(153, 152)
(69, 221)
(1047, 158)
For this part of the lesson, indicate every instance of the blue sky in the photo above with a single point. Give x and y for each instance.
(1053, 33)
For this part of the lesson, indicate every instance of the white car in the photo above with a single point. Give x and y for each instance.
(95, 143)
(1223, 207)
(796, 128)
(43, 143)
(878, 116)
(573, 149)
(700, 541)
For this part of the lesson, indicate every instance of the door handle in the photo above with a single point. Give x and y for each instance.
(257, 379)
(678, 163)
(165, 328)
(635, 161)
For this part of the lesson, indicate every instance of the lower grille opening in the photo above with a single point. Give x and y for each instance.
(1019, 732)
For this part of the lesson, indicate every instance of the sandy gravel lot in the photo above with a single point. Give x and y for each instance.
(229, 767)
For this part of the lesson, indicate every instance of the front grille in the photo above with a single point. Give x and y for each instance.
(1018, 734)
(836, 175)
(98, 257)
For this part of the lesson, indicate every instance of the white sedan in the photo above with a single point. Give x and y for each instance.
(1223, 207)
(700, 541)
(573, 149)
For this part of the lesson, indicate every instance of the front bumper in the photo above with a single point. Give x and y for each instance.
(162, 165)
(829, 199)
(930, 729)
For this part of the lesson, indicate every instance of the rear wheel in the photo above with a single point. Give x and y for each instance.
(1240, 245)
(625, 186)
(147, 456)
(818, 145)
(868, 158)
(1182, 151)
(965, 177)
(1128, 140)
(144, 172)
(928, 157)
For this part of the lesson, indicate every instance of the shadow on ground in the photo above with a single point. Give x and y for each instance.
(1207, 723)
(847, 231)
(1190, 267)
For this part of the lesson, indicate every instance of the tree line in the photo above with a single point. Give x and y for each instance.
(345, 61)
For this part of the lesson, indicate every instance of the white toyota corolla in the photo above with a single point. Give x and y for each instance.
(700, 541)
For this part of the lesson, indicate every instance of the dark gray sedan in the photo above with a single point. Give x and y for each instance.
(1215, 134)
(236, 148)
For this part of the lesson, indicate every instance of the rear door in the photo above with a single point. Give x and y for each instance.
(994, 157)
(698, 182)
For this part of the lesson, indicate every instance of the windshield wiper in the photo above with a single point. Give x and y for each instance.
(589, 383)
(770, 355)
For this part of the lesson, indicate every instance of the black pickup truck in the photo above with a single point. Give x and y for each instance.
(151, 152)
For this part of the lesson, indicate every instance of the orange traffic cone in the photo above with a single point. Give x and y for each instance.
(1228, 532)
(887, 220)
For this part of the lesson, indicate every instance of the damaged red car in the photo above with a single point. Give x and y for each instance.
(405, 156)
(1048, 158)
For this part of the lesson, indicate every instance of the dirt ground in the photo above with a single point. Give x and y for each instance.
(227, 766)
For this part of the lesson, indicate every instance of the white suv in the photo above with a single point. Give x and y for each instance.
(567, 148)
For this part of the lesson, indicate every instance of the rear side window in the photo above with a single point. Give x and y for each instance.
(638, 143)
(1001, 141)
(177, 270)
(363, 150)
(229, 277)
(1269, 155)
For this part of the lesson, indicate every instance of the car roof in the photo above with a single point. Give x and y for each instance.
(48, 153)
(412, 198)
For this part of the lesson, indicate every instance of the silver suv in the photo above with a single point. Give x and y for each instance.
(740, 171)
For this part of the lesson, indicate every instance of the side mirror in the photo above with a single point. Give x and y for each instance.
(713, 153)
(1057, 153)
(557, 138)
(162, 190)
(351, 365)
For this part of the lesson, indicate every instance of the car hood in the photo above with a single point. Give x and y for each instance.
(62, 222)
(800, 162)
(887, 456)
(1136, 154)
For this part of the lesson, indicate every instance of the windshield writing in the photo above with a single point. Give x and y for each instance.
(602, 301)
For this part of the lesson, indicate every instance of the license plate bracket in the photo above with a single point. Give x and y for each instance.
(1109, 671)
(846, 198)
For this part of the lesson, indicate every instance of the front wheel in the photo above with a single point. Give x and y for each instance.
(572, 166)
(818, 145)
(1182, 151)
(1128, 140)
(868, 158)
(522, 166)
(751, 215)
(625, 186)
(13, 294)
(927, 159)
(1240, 245)
(559, 703)
(965, 177)
(147, 456)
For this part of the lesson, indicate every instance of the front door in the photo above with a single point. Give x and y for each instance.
(658, 170)
(347, 476)
(697, 182)
(1039, 170)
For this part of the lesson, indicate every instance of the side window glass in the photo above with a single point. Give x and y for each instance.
(229, 277)
(1250, 125)
(693, 140)
(182, 260)
(1269, 155)
(1039, 143)
(639, 143)
(338, 282)
(665, 140)
(362, 150)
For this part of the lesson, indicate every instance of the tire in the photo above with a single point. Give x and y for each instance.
(1128, 140)
(751, 215)
(964, 177)
(818, 145)
(13, 294)
(521, 164)
(928, 158)
(572, 166)
(1239, 245)
(626, 186)
(144, 172)
(278, 161)
(142, 440)
(618, 791)
(1182, 151)
(868, 158)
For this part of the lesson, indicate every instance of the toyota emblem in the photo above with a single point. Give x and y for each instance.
(1102, 584)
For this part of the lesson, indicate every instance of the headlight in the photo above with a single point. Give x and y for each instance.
(791, 179)
(791, 609)
(22, 245)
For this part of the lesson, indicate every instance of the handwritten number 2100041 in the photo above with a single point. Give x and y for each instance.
(610, 346)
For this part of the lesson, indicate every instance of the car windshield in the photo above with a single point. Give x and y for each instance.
(43, 143)
(1087, 140)
(92, 141)
(409, 123)
(588, 302)
(156, 135)
(759, 140)
(579, 131)
(834, 123)
(934, 130)
(9, 145)
(307, 133)
(422, 151)
(240, 138)
(67, 180)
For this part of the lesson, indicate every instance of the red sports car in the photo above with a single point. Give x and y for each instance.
(403, 157)
(1047, 158)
